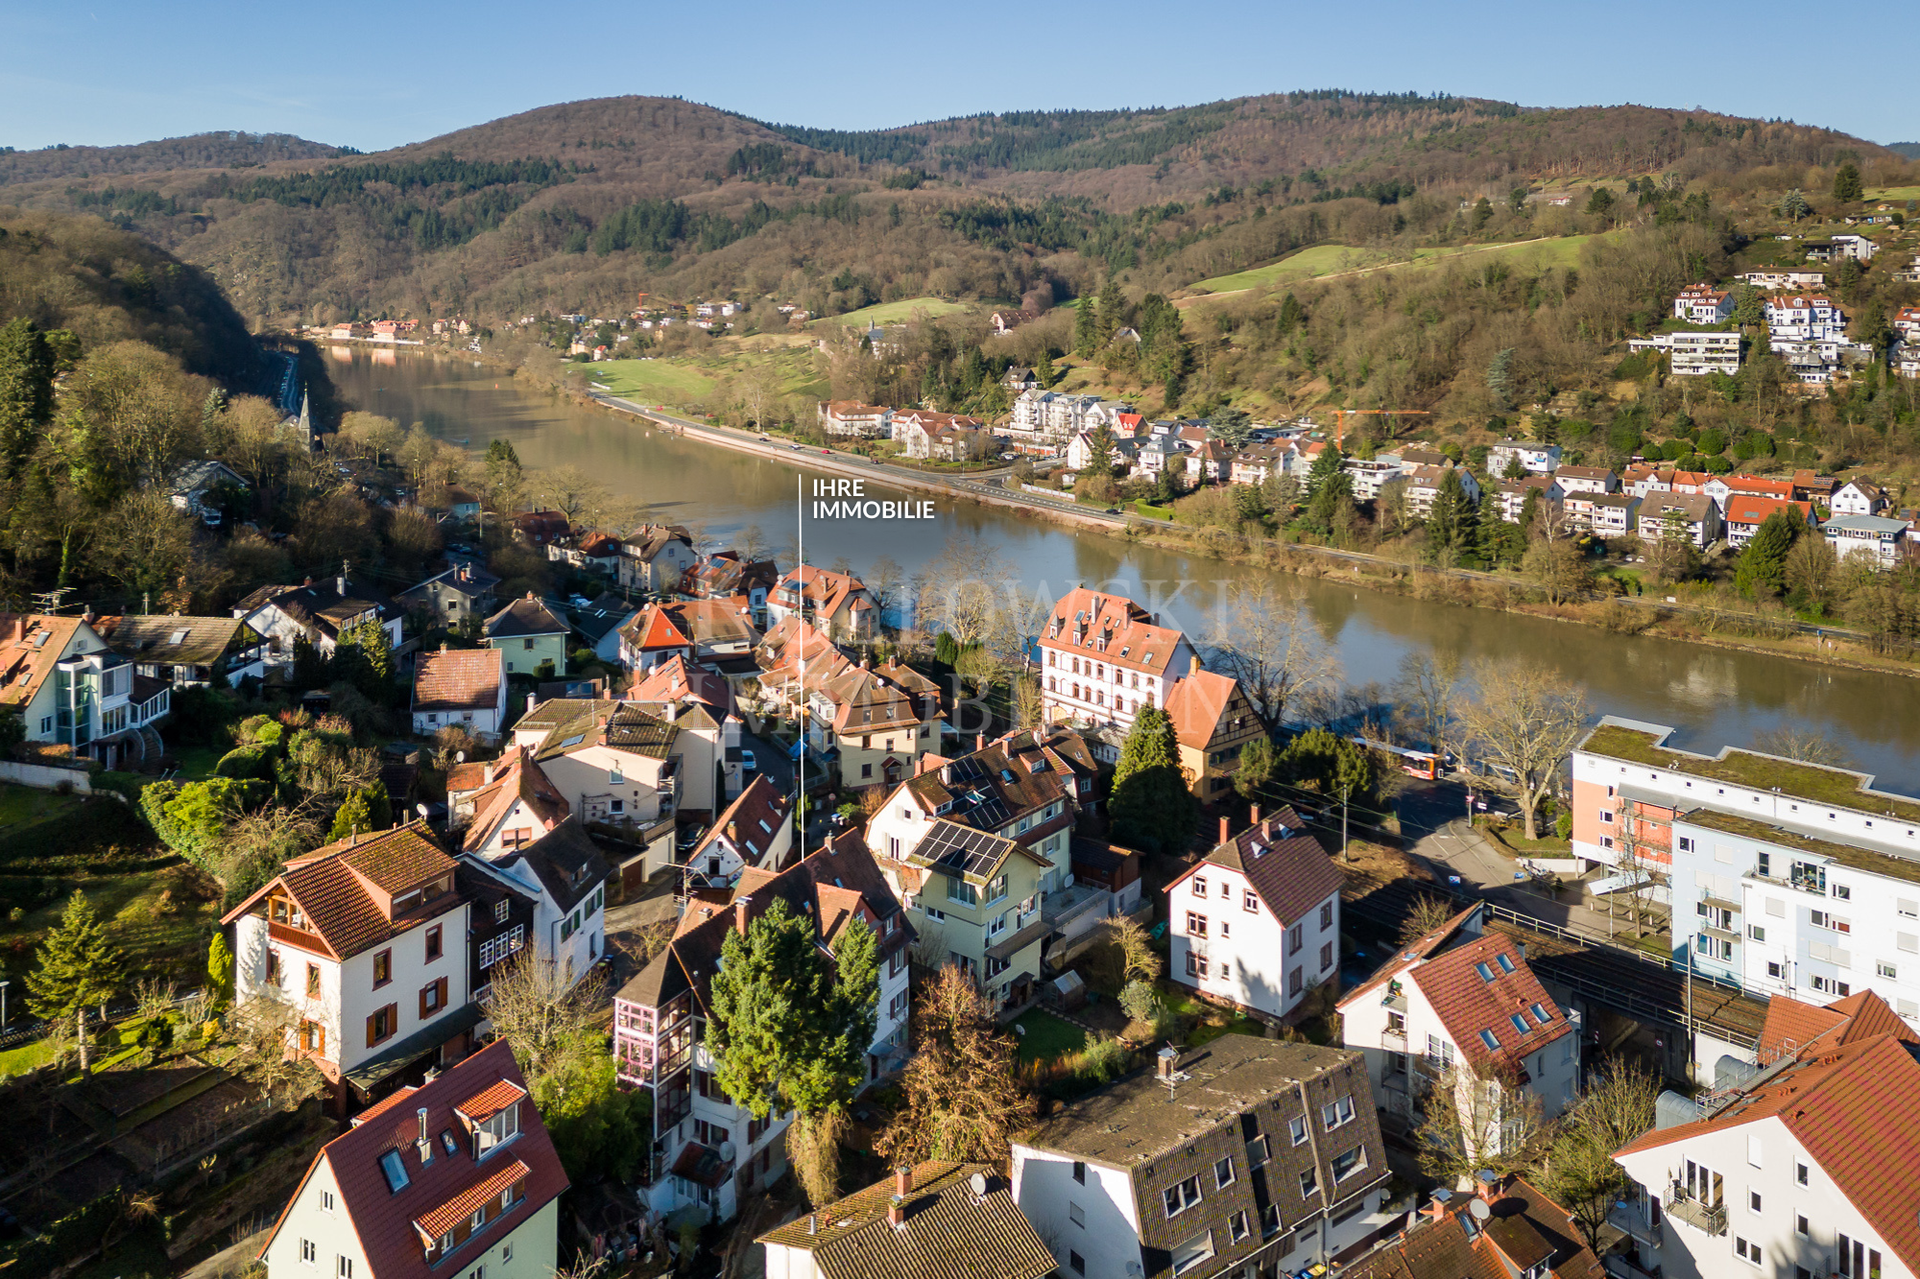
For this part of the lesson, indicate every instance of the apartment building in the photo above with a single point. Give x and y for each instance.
(1803, 1166)
(1105, 656)
(1244, 1157)
(1791, 879)
(1256, 922)
(1876, 540)
(707, 1151)
(1509, 497)
(853, 420)
(1213, 720)
(1537, 459)
(1803, 317)
(617, 767)
(1460, 1009)
(70, 688)
(1586, 479)
(1425, 482)
(1690, 517)
(655, 557)
(564, 875)
(455, 1176)
(1784, 281)
(361, 944)
(1745, 515)
(837, 604)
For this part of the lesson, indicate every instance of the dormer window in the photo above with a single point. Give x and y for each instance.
(496, 1131)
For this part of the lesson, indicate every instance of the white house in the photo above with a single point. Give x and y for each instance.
(755, 830)
(1105, 656)
(1245, 1156)
(68, 687)
(1256, 922)
(1510, 496)
(1690, 517)
(1746, 513)
(362, 942)
(1880, 540)
(1461, 1008)
(1805, 1167)
(1857, 497)
(456, 1173)
(466, 687)
(1694, 354)
(1703, 304)
(1586, 479)
(1803, 317)
(707, 1150)
(1784, 280)
(316, 613)
(565, 875)
(1539, 459)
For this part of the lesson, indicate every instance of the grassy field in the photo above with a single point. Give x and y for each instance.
(1875, 195)
(1048, 1037)
(1330, 259)
(160, 938)
(697, 379)
(894, 312)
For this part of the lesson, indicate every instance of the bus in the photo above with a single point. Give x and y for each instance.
(1422, 764)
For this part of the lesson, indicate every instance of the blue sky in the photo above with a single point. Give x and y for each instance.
(373, 76)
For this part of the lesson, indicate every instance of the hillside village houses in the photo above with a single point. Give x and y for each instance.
(1458, 1016)
(1784, 281)
(1256, 922)
(1857, 497)
(706, 1151)
(465, 687)
(1690, 517)
(316, 613)
(186, 652)
(1703, 304)
(654, 557)
(1875, 539)
(1694, 354)
(70, 688)
(1538, 459)
(1745, 514)
(1510, 496)
(531, 637)
(838, 604)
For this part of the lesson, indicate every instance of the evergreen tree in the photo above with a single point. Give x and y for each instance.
(1043, 372)
(1794, 205)
(1232, 427)
(1482, 213)
(1600, 203)
(1292, 315)
(26, 392)
(1109, 312)
(79, 968)
(220, 967)
(1084, 336)
(354, 817)
(1500, 379)
(1846, 183)
(788, 1025)
(363, 656)
(1324, 468)
(1763, 562)
(1100, 452)
(1151, 807)
(1257, 763)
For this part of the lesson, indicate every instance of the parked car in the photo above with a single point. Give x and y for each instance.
(828, 452)
(749, 762)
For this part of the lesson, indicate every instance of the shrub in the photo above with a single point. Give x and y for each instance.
(1102, 1061)
(1140, 1001)
(245, 762)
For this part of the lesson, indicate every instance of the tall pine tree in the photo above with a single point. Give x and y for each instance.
(79, 968)
(1151, 805)
(1763, 563)
(26, 393)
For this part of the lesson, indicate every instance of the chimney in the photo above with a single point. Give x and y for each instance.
(979, 741)
(1487, 1183)
(1266, 828)
(896, 1212)
(1224, 836)
(425, 1144)
(340, 584)
(443, 648)
(1437, 1206)
(733, 832)
(1164, 1062)
(902, 1181)
(740, 913)
(1255, 819)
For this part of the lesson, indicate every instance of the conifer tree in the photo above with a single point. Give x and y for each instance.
(1846, 183)
(1763, 562)
(79, 968)
(26, 392)
(1084, 336)
(220, 967)
(1151, 805)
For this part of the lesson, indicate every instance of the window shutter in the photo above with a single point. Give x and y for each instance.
(371, 1040)
(442, 984)
(424, 992)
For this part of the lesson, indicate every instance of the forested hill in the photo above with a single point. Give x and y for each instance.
(106, 285)
(582, 205)
(198, 151)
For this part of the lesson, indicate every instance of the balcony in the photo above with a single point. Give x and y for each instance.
(1394, 1040)
(1707, 1218)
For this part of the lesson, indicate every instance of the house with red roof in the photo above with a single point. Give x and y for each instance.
(1212, 721)
(456, 1176)
(651, 637)
(1105, 657)
(1459, 1013)
(1256, 922)
(360, 945)
(1746, 513)
(460, 687)
(1507, 1228)
(1804, 1165)
(838, 604)
(1703, 304)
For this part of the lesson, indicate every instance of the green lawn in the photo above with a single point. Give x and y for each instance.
(1047, 1036)
(158, 942)
(665, 381)
(895, 312)
(22, 806)
(696, 379)
(1878, 195)
(28, 1055)
(1327, 259)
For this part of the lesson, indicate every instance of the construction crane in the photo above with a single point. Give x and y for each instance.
(1340, 417)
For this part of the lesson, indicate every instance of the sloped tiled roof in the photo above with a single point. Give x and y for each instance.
(1196, 704)
(749, 823)
(1793, 1027)
(458, 679)
(949, 1233)
(524, 618)
(331, 886)
(168, 639)
(320, 605)
(1286, 866)
(1745, 508)
(678, 680)
(565, 861)
(655, 628)
(1468, 1004)
(516, 780)
(638, 732)
(1522, 1222)
(1411, 954)
(1133, 641)
(30, 645)
(388, 1224)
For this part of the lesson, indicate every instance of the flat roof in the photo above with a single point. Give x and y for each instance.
(1856, 855)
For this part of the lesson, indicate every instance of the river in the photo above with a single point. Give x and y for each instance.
(1714, 696)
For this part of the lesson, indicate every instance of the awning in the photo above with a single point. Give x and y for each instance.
(1008, 947)
(400, 1054)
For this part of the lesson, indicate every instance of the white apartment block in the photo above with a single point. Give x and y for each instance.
(1786, 878)
(1104, 657)
(1694, 354)
(1256, 922)
(1802, 317)
(1703, 304)
(1537, 459)
(1870, 539)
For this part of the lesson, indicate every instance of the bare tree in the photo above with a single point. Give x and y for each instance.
(884, 580)
(1267, 640)
(264, 1031)
(1804, 742)
(813, 1147)
(1469, 1121)
(534, 1009)
(962, 1097)
(1427, 687)
(1524, 718)
(1581, 1172)
(965, 591)
(1428, 914)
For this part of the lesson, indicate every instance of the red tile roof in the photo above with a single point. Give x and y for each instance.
(387, 1223)
(1743, 508)
(654, 629)
(1792, 1027)
(1196, 704)
(1522, 1222)
(334, 887)
(30, 644)
(1286, 866)
(459, 679)
(1133, 641)
(1851, 1107)
(1468, 1003)
(517, 780)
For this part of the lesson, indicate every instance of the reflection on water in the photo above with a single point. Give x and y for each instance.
(1716, 697)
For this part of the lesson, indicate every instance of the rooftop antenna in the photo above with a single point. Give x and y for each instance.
(52, 601)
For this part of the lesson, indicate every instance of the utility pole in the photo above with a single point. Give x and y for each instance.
(1345, 790)
(1688, 971)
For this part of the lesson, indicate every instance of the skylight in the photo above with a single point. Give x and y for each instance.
(1506, 965)
(1520, 1023)
(1487, 1038)
(575, 740)
(1486, 973)
(395, 1170)
(1541, 1015)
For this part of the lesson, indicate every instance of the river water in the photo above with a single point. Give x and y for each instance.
(1715, 697)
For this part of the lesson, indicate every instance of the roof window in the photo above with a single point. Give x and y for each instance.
(1488, 1038)
(1486, 973)
(1541, 1015)
(395, 1170)
(1506, 965)
(1519, 1021)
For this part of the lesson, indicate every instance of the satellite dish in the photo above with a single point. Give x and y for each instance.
(978, 1184)
(420, 809)
(459, 757)
(1479, 1210)
(726, 1152)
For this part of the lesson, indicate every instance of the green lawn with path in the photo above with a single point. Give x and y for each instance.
(679, 380)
